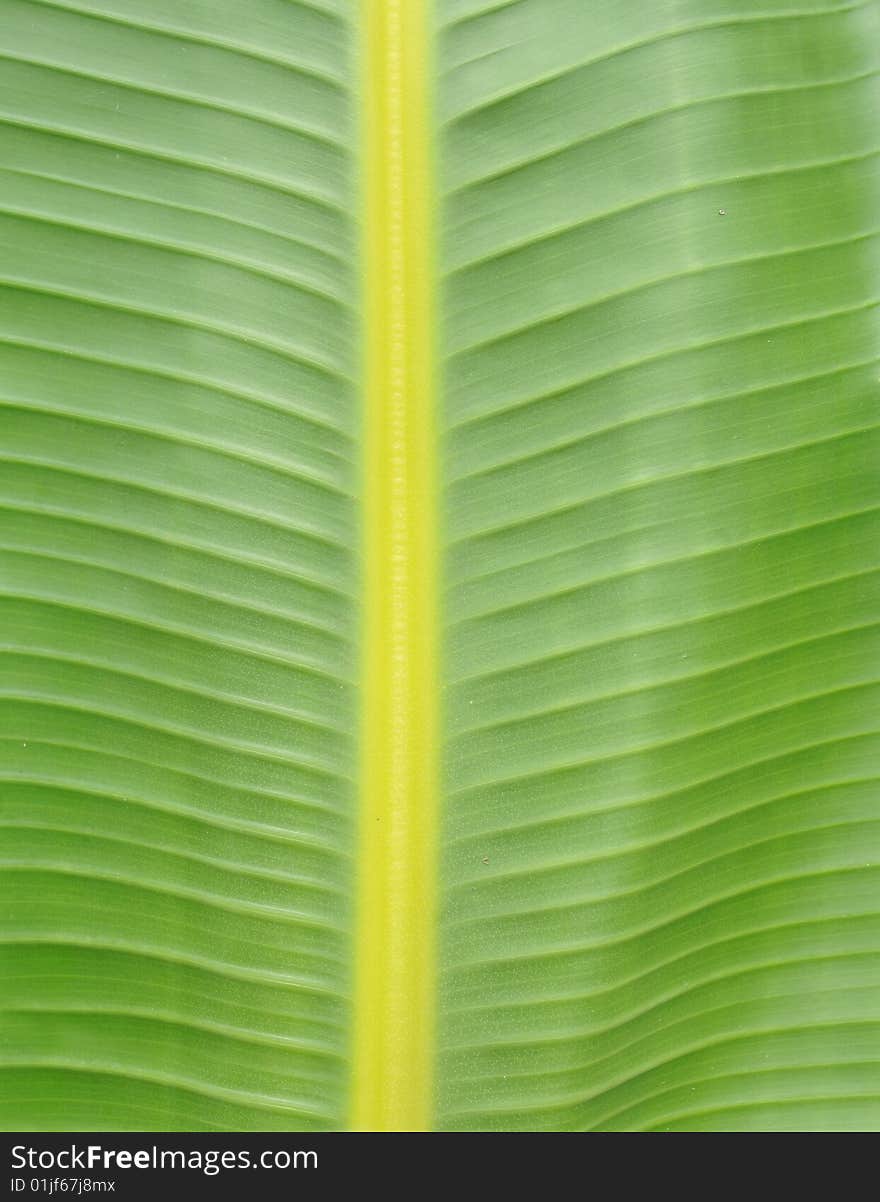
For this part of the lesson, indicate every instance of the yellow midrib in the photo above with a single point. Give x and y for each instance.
(395, 949)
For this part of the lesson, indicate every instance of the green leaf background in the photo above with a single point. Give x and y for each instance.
(659, 277)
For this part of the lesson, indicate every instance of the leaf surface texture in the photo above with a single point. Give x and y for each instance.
(656, 297)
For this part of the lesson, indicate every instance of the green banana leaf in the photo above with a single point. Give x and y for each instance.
(647, 867)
